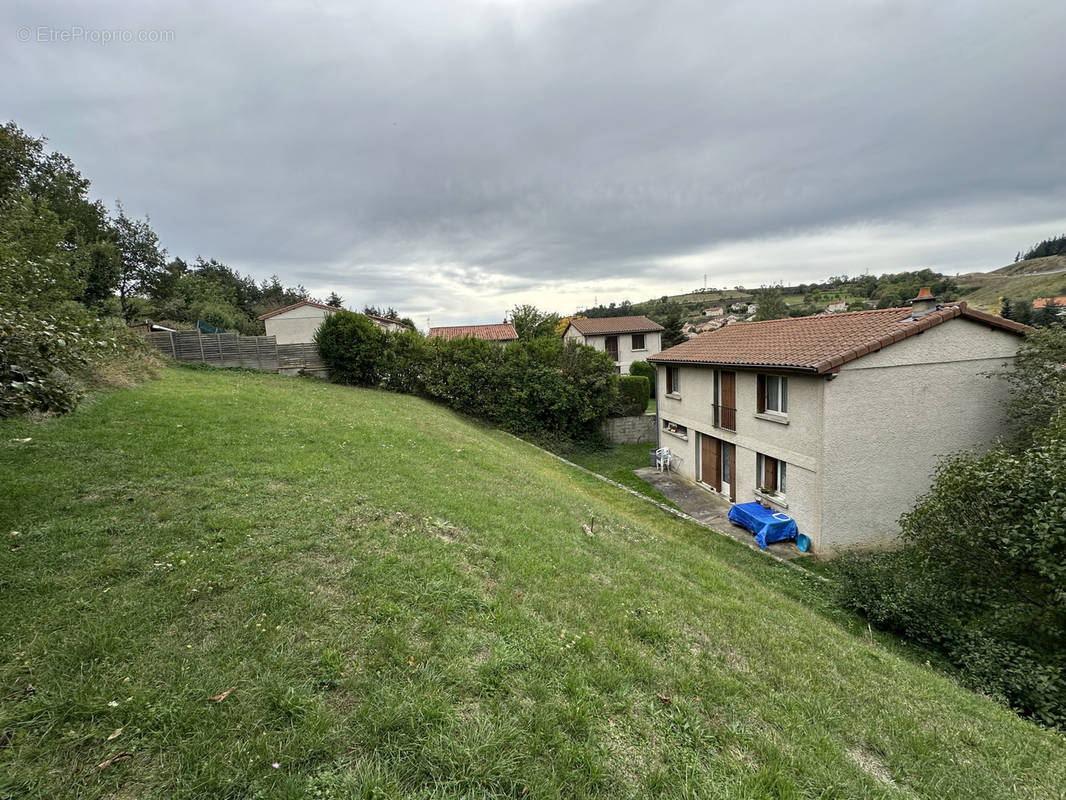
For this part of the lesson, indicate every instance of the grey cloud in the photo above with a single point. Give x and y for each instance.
(508, 147)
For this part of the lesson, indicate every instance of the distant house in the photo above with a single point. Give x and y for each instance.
(739, 307)
(625, 339)
(837, 307)
(716, 311)
(836, 420)
(1042, 302)
(502, 332)
(299, 322)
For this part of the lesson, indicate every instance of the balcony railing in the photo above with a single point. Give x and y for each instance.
(725, 417)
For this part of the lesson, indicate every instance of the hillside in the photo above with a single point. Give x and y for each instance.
(244, 585)
(1023, 280)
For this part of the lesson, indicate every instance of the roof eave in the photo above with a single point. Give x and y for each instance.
(805, 369)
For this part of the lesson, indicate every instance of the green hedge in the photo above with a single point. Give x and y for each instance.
(647, 370)
(543, 387)
(633, 394)
(982, 573)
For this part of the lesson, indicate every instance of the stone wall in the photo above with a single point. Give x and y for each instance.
(630, 430)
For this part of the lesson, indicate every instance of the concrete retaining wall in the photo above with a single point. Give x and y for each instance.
(630, 430)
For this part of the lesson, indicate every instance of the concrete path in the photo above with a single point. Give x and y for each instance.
(707, 507)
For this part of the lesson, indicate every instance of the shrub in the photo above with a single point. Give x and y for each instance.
(633, 393)
(982, 574)
(647, 370)
(404, 363)
(39, 355)
(543, 387)
(352, 348)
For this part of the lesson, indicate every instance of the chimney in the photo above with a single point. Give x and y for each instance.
(923, 304)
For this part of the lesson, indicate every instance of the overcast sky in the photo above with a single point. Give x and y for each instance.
(453, 159)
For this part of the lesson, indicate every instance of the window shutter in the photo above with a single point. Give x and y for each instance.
(771, 473)
(669, 380)
(760, 400)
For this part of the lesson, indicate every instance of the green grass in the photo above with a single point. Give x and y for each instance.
(407, 606)
(651, 406)
(985, 290)
(617, 462)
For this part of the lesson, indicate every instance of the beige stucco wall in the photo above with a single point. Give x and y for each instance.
(796, 440)
(297, 325)
(890, 417)
(626, 354)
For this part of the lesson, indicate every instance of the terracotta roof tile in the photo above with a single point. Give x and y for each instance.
(500, 332)
(601, 325)
(1041, 302)
(817, 344)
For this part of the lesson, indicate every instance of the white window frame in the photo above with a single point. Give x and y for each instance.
(781, 382)
(673, 378)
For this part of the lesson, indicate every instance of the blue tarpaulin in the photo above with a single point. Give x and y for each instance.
(769, 526)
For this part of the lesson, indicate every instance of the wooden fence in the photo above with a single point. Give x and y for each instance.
(233, 350)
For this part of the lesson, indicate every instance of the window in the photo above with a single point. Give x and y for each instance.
(673, 380)
(770, 474)
(773, 394)
(673, 427)
(638, 341)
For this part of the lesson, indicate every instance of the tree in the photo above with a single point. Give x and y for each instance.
(673, 332)
(335, 300)
(142, 261)
(532, 323)
(101, 271)
(1037, 383)
(771, 304)
(352, 348)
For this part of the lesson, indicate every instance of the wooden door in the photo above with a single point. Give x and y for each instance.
(612, 347)
(710, 461)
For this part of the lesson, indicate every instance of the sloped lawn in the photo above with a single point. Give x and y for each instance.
(404, 604)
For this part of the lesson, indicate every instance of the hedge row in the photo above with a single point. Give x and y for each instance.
(543, 387)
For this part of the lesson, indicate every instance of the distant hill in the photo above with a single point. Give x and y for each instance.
(1020, 281)
(1023, 280)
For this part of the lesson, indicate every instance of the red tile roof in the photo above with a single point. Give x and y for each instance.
(817, 344)
(1042, 302)
(277, 311)
(500, 332)
(601, 325)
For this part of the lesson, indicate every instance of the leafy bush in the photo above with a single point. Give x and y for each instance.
(633, 394)
(42, 357)
(648, 371)
(352, 348)
(404, 363)
(982, 574)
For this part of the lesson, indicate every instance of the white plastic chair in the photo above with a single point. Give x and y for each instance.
(662, 459)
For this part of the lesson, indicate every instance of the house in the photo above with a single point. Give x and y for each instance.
(837, 420)
(625, 339)
(716, 311)
(1042, 302)
(837, 307)
(298, 323)
(503, 332)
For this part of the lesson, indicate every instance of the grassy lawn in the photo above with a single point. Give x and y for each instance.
(651, 406)
(404, 604)
(617, 462)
